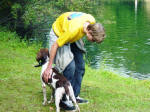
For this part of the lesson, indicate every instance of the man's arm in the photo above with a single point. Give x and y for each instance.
(47, 72)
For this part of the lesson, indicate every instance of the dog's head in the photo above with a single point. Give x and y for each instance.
(42, 56)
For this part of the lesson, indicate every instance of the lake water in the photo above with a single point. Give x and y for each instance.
(126, 50)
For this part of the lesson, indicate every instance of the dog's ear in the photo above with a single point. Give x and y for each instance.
(45, 54)
(48, 54)
(45, 57)
(39, 56)
(46, 51)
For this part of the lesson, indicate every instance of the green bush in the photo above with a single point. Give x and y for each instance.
(32, 19)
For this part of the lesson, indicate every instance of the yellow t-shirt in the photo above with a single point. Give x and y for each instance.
(69, 26)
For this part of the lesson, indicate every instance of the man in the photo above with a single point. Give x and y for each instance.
(66, 48)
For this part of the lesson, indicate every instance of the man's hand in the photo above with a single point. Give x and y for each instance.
(47, 74)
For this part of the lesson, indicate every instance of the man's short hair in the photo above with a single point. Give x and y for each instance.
(97, 31)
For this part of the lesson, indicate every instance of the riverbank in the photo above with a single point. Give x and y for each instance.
(21, 88)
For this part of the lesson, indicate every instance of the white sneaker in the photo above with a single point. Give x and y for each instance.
(69, 103)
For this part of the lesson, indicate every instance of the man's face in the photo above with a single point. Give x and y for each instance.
(92, 39)
(89, 36)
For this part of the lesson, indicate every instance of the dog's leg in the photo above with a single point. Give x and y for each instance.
(58, 96)
(71, 93)
(44, 87)
(52, 96)
(44, 94)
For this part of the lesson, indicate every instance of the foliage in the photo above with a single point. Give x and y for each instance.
(33, 18)
(15, 8)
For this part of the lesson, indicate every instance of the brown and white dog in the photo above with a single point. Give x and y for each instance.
(60, 85)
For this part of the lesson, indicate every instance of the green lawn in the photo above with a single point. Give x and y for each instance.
(21, 91)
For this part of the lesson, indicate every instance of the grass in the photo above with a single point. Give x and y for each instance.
(20, 87)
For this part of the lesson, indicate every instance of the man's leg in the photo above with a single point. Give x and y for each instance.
(79, 68)
(69, 71)
(79, 72)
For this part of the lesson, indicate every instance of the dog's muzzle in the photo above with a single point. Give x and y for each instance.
(40, 64)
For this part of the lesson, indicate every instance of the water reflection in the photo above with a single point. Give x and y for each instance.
(147, 7)
(127, 47)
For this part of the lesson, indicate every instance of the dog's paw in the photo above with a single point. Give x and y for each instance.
(44, 103)
(51, 101)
